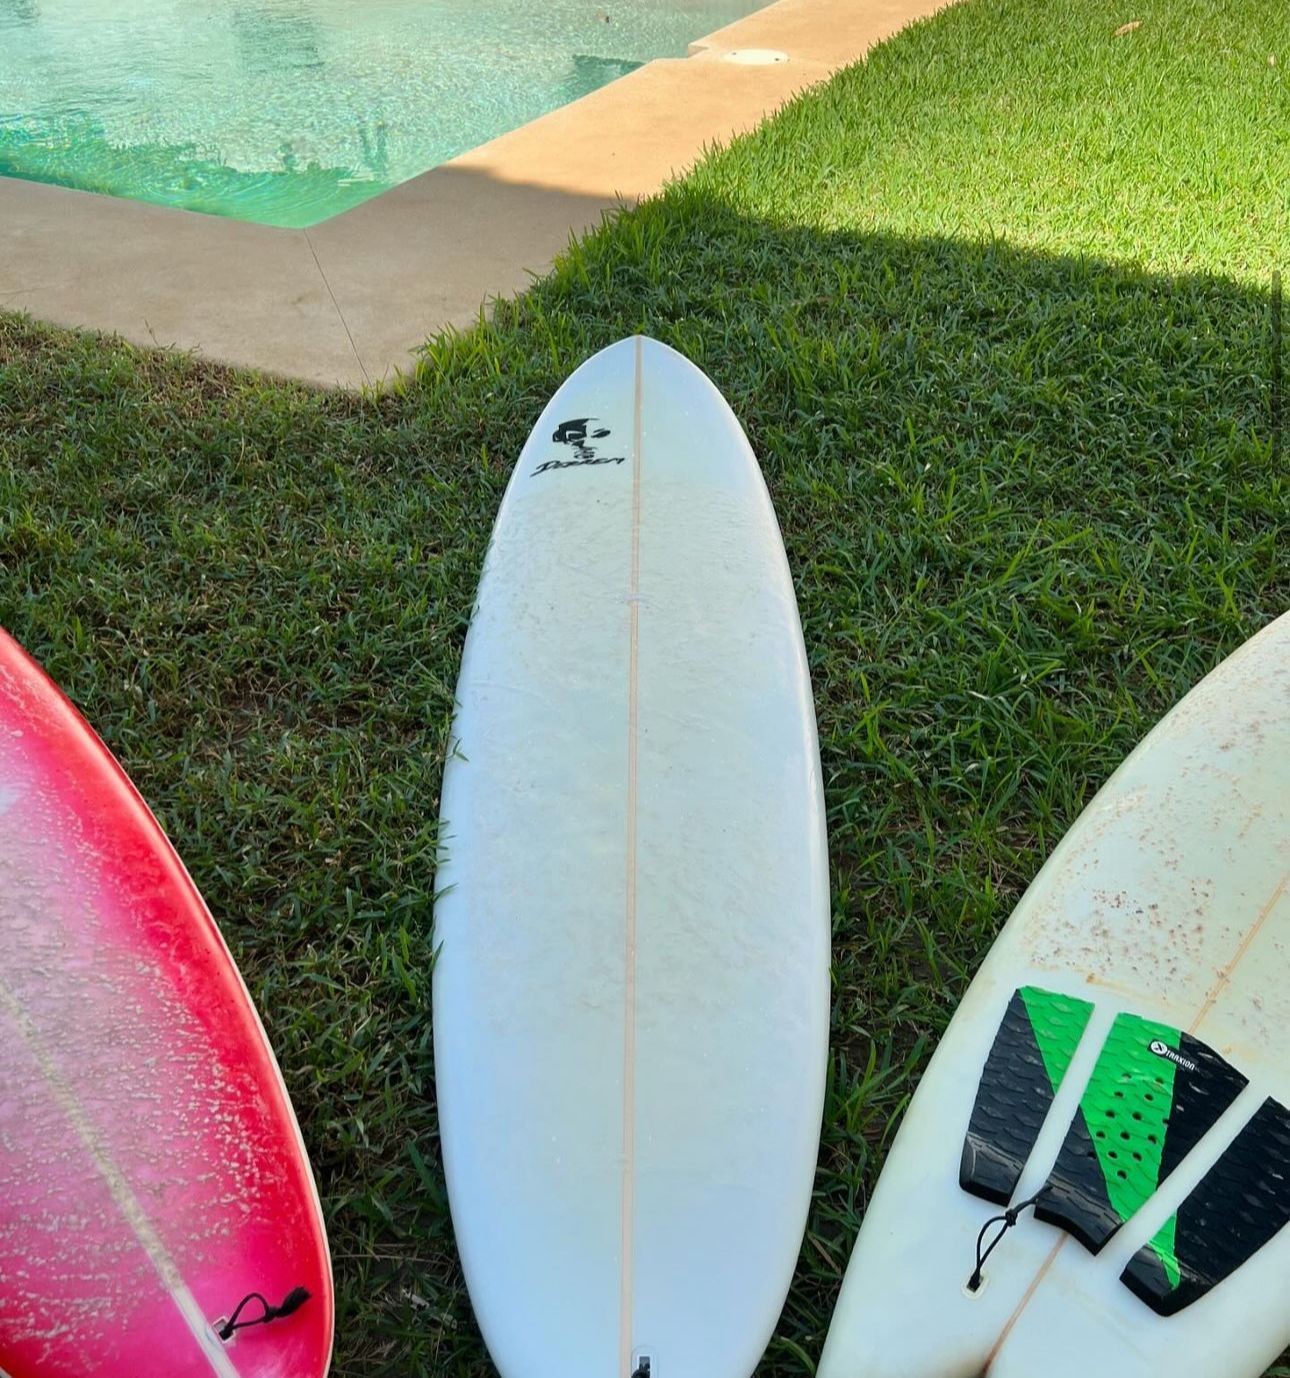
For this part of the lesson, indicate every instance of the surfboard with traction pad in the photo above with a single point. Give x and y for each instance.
(158, 1218)
(1094, 1173)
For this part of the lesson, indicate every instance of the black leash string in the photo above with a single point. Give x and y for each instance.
(293, 1301)
(1005, 1222)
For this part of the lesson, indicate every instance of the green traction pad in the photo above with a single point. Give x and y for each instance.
(1153, 1093)
(1027, 1062)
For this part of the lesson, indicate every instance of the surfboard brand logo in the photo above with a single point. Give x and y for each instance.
(576, 433)
(577, 463)
(1164, 1050)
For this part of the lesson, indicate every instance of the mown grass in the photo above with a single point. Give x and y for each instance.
(994, 309)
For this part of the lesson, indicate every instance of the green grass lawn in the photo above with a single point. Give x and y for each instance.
(995, 311)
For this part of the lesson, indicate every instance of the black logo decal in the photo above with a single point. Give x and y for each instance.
(577, 433)
(578, 463)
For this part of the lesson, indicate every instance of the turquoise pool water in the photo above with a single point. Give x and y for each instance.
(287, 112)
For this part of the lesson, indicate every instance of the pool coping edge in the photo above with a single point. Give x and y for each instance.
(348, 301)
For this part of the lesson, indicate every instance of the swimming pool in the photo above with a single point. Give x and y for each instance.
(287, 112)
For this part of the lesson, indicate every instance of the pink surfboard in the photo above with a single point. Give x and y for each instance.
(151, 1171)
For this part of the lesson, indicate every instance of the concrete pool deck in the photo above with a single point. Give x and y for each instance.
(347, 301)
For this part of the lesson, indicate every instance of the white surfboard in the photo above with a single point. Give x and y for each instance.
(632, 919)
(1122, 1054)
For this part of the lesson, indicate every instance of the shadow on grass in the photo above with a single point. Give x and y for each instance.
(1028, 502)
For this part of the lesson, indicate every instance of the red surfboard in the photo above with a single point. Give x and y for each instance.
(152, 1175)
